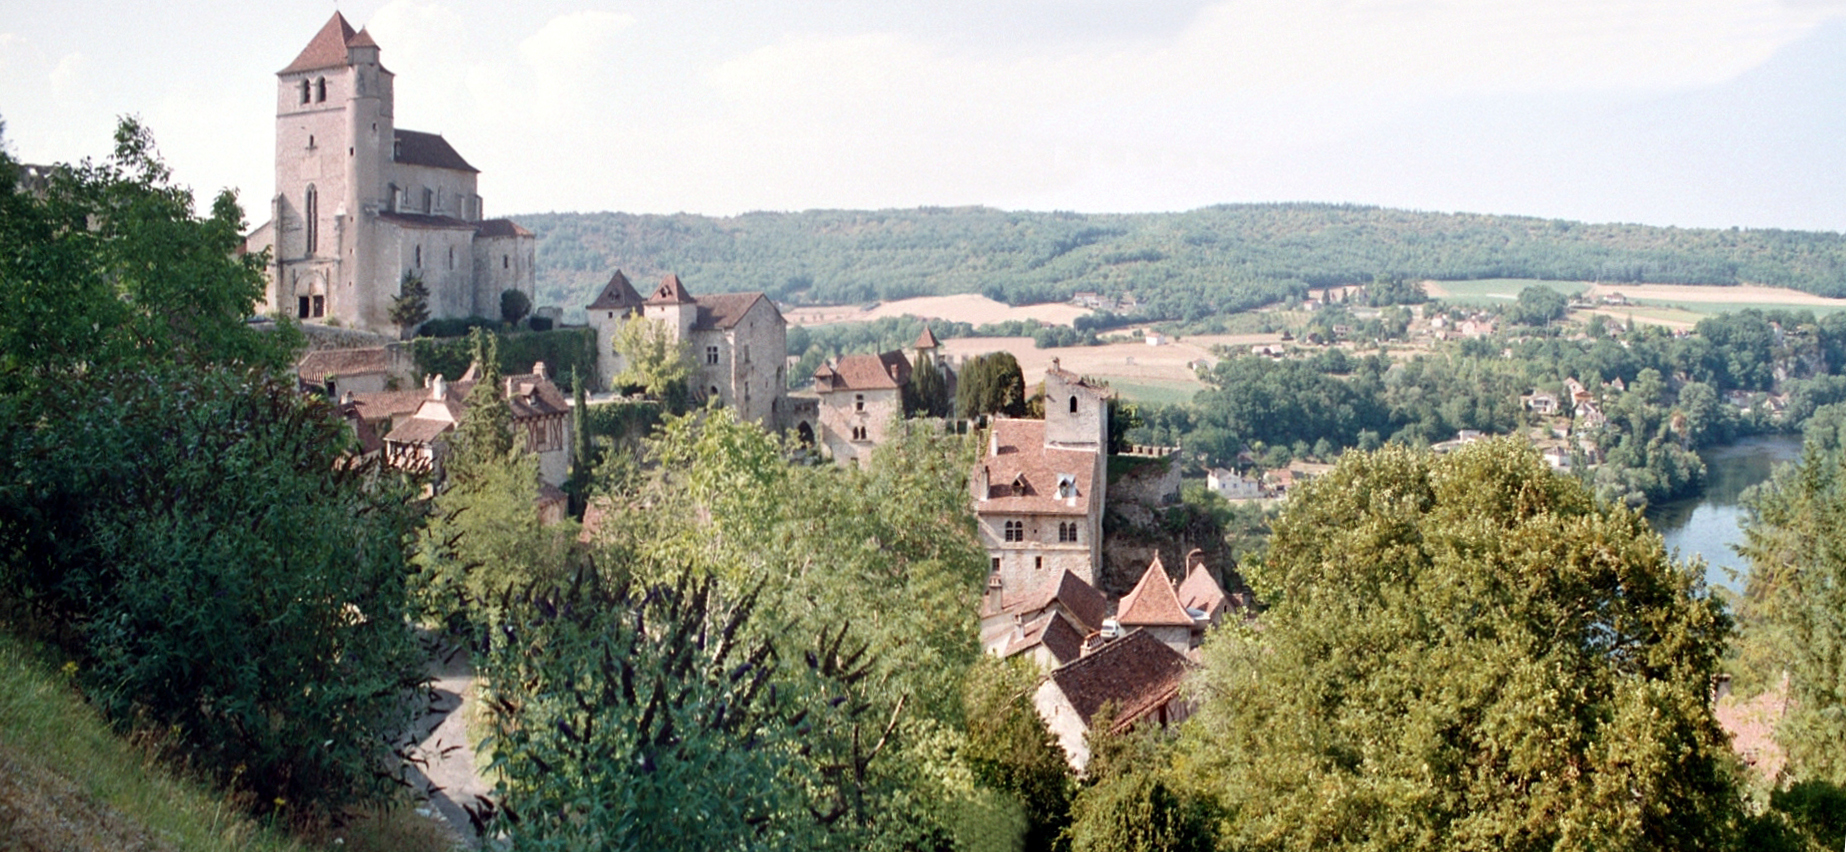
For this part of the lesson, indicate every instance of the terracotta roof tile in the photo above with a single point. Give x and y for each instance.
(418, 430)
(416, 148)
(617, 295)
(1201, 591)
(670, 292)
(926, 340)
(1078, 598)
(316, 366)
(1137, 672)
(373, 406)
(884, 371)
(1153, 602)
(327, 49)
(1063, 639)
(724, 310)
(361, 39)
(1023, 457)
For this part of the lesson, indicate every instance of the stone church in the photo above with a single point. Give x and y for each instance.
(361, 203)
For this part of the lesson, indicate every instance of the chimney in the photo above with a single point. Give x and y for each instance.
(438, 388)
(538, 369)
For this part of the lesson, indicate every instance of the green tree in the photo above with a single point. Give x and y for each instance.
(927, 395)
(514, 305)
(1538, 305)
(1011, 750)
(652, 360)
(990, 384)
(1794, 600)
(1462, 652)
(410, 307)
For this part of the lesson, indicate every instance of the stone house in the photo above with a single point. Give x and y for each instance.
(1039, 488)
(1011, 624)
(1231, 486)
(860, 395)
(737, 342)
(360, 203)
(339, 371)
(1139, 674)
(541, 413)
(1153, 607)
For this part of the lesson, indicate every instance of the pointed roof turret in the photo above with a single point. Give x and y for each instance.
(328, 47)
(926, 340)
(1201, 591)
(361, 39)
(670, 292)
(616, 295)
(1153, 603)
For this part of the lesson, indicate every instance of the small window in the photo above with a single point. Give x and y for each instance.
(305, 93)
(996, 564)
(1073, 405)
(1015, 531)
(506, 262)
(1067, 533)
(858, 402)
(451, 257)
(320, 89)
(311, 212)
(391, 205)
(714, 391)
(419, 257)
(310, 141)
(711, 354)
(1038, 562)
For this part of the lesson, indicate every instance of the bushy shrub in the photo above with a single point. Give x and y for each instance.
(447, 328)
(561, 349)
(224, 577)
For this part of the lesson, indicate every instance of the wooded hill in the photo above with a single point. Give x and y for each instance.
(1180, 265)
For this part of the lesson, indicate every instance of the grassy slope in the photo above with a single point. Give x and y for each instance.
(67, 782)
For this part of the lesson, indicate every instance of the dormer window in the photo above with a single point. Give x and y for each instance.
(1067, 486)
(1019, 484)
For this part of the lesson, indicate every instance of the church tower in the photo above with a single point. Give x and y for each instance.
(333, 139)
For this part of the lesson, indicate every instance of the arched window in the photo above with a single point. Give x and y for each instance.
(1015, 531)
(320, 89)
(305, 91)
(310, 210)
(1073, 405)
(1067, 533)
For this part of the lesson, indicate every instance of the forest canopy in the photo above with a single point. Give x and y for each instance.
(1180, 266)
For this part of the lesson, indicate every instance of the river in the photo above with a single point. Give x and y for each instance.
(1708, 525)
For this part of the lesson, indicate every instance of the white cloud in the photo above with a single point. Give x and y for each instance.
(71, 79)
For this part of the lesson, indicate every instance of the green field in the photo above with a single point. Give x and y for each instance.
(1154, 391)
(1499, 291)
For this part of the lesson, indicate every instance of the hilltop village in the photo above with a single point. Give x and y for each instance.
(356, 529)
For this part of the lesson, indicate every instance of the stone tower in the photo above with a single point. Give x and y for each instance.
(361, 203)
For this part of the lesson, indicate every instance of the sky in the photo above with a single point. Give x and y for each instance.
(1697, 113)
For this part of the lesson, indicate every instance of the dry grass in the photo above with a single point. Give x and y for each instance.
(970, 308)
(1162, 368)
(1749, 294)
(67, 782)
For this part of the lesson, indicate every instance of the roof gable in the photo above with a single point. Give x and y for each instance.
(618, 294)
(500, 228)
(884, 371)
(724, 310)
(328, 47)
(1153, 603)
(670, 292)
(316, 366)
(1080, 599)
(926, 340)
(1137, 672)
(1054, 631)
(1201, 591)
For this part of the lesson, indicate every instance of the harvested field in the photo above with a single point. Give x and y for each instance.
(968, 307)
(1743, 295)
(1146, 373)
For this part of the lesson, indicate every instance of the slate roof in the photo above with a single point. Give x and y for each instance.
(1080, 599)
(884, 371)
(1201, 591)
(724, 310)
(500, 228)
(1153, 603)
(1138, 672)
(670, 292)
(415, 148)
(316, 366)
(1052, 630)
(424, 220)
(328, 47)
(1022, 453)
(617, 295)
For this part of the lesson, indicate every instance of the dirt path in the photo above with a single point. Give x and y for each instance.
(445, 770)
